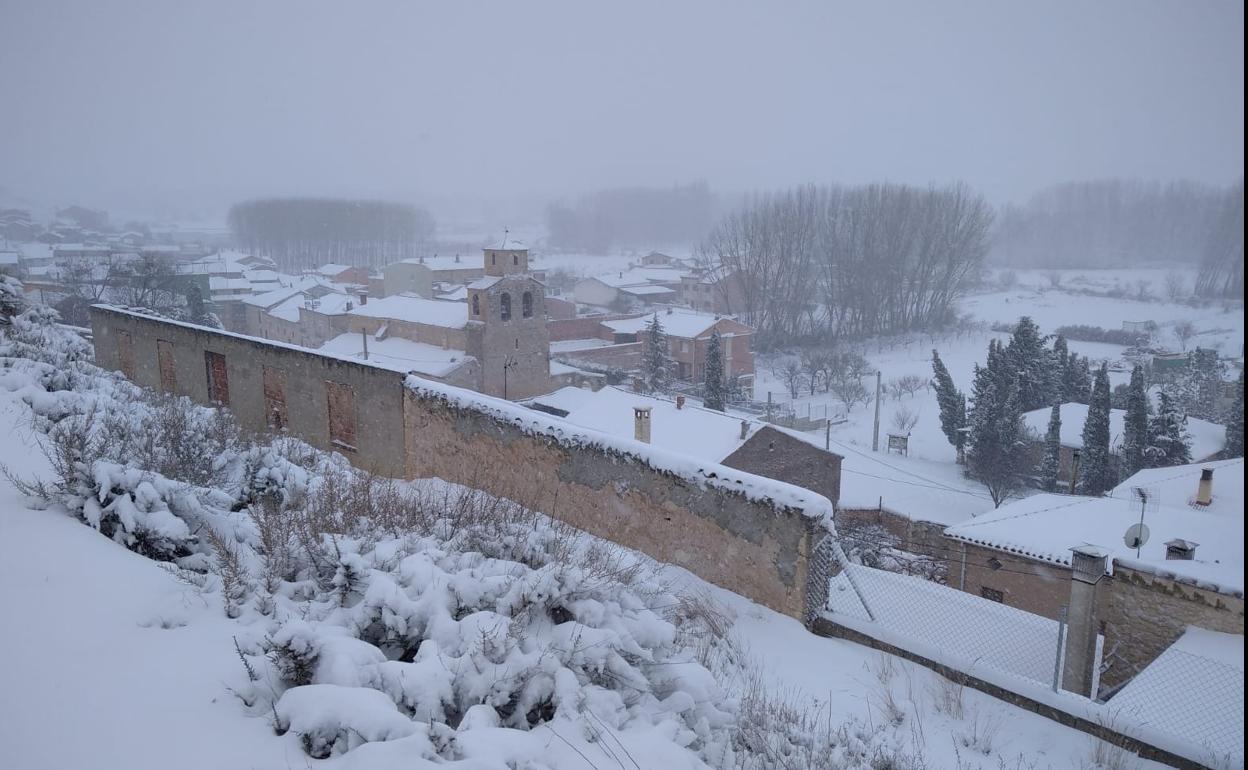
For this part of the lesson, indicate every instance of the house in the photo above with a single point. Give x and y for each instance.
(1207, 438)
(307, 313)
(1189, 570)
(701, 434)
(419, 274)
(715, 290)
(659, 259)
(617, 341)
(637, 285)
(343, 274)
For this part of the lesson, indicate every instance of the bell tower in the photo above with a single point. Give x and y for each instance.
(507, 327)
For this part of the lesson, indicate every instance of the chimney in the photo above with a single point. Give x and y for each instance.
(1180, 550)
(1204, 490)
(363, 298)
(680, 402)
(745, 429)
(641, 423)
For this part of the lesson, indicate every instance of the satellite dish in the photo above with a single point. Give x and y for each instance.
(1137, 535)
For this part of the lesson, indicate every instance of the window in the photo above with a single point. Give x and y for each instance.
(526, 304)
(274, 383)
(504, 306)
(992, 594)
(515, 259)
(493, 259)
(125, 354)
(340, 403)
(218, 378)
(165, 364)
(476, 304)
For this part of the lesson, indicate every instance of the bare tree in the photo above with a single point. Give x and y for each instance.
(789, 371)
(904, 420)
(1176, 286)
(1184, 330)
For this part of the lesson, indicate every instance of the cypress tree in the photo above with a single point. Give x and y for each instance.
(1052, 466)
(1135, 429)
(1096, 473)
(1168, 442)
(1060, 360)
(1078, 379)
(995, 448)
(1031, 365)
(657, 362)
(713, 389)
(952, 404)
(1235, 422)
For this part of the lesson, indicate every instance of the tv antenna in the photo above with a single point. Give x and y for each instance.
(505, 232)
(1137, 534)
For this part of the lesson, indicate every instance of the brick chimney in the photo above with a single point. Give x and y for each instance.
(680, 402)
(1204, 490)
(745, 429)
(641, 423)
(1180, 550)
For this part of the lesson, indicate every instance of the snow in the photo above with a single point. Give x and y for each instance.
(1047, 526)
(415, 309)
(1196, 688)
(1207, 438)
(399, 354)
(689, 468)
(691, 430)
(1175, 486)
(567, 346)
(676, 323)
(448, 263)
(648, 291)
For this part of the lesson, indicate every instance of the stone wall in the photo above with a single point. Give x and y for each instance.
(777, 455)
(305, 374)
(754, 545)
(759, 550)
(1141, 614)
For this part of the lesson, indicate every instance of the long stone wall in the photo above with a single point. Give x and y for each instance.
(750, 535)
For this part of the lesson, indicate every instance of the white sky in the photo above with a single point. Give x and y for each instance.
(132, 104)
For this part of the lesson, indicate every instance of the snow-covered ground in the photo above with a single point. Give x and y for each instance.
(114, 662)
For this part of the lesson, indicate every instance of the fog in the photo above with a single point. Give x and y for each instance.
(166, 109)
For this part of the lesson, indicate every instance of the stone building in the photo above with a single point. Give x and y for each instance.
(1189, 570)
(506, 329)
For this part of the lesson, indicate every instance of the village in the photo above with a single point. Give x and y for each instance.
(1042, 586)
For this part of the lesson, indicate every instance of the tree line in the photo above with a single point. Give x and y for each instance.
(1030, 372)
(1117, 223)
(308, 232)
(631, 217)
(818, 263)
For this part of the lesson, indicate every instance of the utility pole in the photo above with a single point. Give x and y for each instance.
(875, 434)
(364, 336)
(827, 433)
(1074, 472)
(508, 362)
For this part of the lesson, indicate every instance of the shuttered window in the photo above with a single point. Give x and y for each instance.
(125, 354)
(165, 363)
(218, 378)
(274, 397)
(341, 405)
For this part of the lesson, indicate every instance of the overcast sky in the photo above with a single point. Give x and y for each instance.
(133, 104)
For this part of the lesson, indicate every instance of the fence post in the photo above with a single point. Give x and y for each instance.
(1061, 640)
(1088, 565)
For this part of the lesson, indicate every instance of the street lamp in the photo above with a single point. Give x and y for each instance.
(508, 363)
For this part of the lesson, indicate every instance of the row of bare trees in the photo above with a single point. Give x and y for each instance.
(1222, 265)
(308, 232)
(819, 263)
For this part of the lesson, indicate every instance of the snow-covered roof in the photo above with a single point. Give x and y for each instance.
(1199, 681)
(331, 269)
(1207, 438)
(8, 257)
(35, 251)
(568, 346)
(702, 433)
(647, 290)
(640, 276)
(448, 263)
(485, 282)
(270, 299)
(217, 283)
(676, 323)
(399, 354)
(458, 294)
(1046, 526)
(1176, 485)
(415, 309)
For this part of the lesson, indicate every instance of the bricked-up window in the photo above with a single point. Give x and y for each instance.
(274, 383)
(526, 304)
(218, 378)
(476, 304)
(125, 354)
(504, 307)
(168, 369)
(341, 404)
(992, 594)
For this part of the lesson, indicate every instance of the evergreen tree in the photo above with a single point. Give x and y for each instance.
(656, 361)
(1235, 422)
(1199, 387)
(713, 389)
(995, 448)
(952, 404)
(1060, 357)
(1168, 442)
(1031, 365)
(1096, 472)
(1052, 466)
(1135, 429)
(1078, 386)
